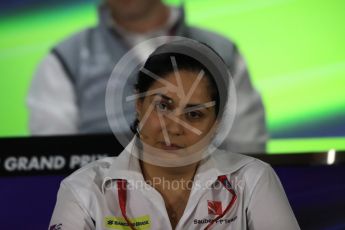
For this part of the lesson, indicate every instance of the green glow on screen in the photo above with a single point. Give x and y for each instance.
(295, 52)
(309, 145)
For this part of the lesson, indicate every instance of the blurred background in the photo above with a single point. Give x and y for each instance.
(295, 52)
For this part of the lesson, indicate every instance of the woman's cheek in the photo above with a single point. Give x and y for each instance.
(205, 127)
(152, 126)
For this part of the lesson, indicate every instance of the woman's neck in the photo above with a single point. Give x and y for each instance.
(174, 185)
(168, 175)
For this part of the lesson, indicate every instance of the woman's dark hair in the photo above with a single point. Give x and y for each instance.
(161, 65)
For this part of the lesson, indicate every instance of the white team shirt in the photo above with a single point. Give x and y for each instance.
(89, 198)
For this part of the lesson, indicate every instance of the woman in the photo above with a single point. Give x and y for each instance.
(171, 175)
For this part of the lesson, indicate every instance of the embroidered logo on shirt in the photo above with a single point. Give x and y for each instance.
(56, 227)
(140, 223)
(220, 221)
(214, 207)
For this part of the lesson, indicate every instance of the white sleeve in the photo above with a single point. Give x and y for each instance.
(269, 207)
(248, 133)
(69, 213)
(51, 100)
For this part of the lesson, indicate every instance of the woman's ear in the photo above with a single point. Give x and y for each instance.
(216, 122)
(213, 130)
(138, 106)
(215, 127)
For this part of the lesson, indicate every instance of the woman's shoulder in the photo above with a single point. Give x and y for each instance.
(247, 167)
(91, 174)
(230, 161)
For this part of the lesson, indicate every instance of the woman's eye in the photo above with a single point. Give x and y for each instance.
(162, 106)
(193, 115)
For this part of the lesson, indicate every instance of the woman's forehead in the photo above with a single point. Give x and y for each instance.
(184, 85)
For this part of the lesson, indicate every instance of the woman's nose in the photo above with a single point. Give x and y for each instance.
(174, 126)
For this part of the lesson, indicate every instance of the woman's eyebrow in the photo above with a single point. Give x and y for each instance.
(189, 107)
(170, 100)
(192, 107)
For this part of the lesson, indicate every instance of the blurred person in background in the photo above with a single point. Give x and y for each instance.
(67, 94)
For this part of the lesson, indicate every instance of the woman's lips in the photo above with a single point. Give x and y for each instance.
(171, 146)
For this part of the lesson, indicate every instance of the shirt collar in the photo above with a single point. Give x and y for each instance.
(126, 166)
(219, 163)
